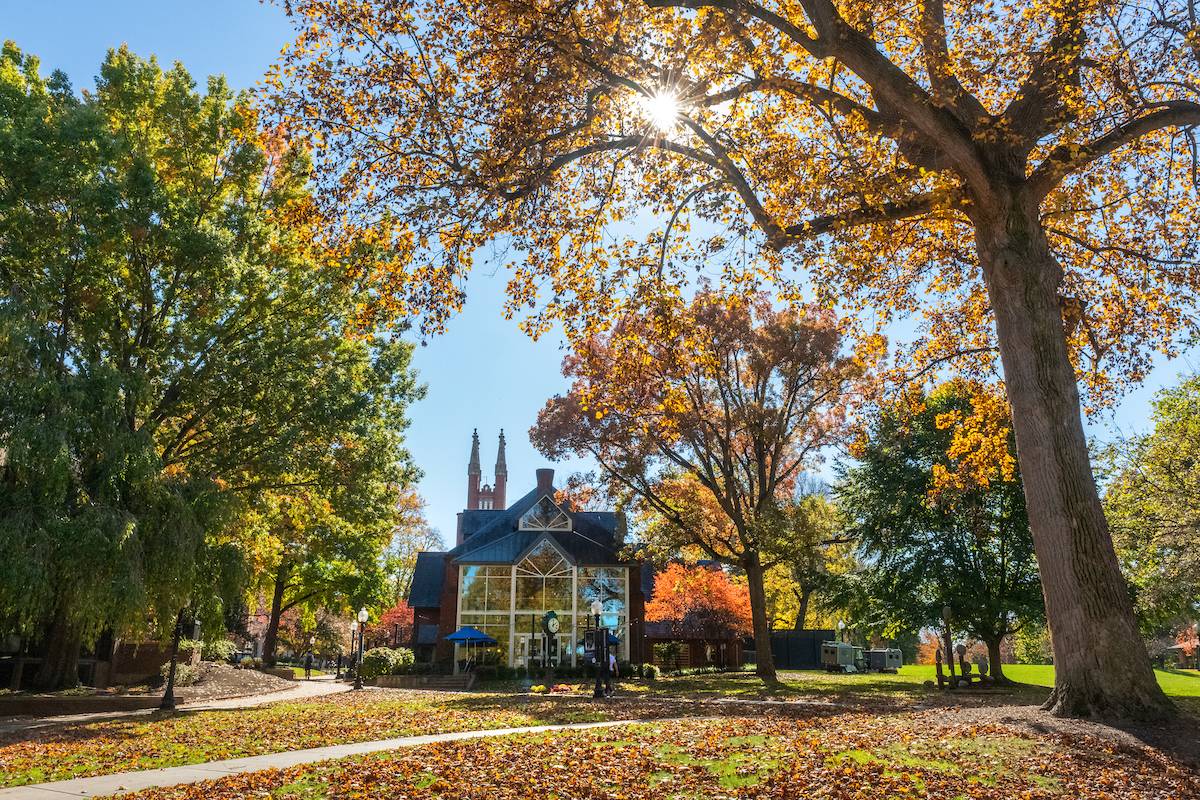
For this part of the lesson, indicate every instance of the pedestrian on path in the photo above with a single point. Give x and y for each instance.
(308, 659)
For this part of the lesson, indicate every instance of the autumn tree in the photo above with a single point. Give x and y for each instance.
(173, 342)
(412, 535)
(395, 625)
(699, 601)
(703, 416)
(935, 504)
(1022, 175)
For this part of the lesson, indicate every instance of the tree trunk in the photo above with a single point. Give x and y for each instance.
(995, 669)
(804, 595)
(271, 637)
(1101, 666)
(765, 666)
(60, 660)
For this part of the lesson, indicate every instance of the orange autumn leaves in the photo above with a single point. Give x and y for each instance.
(699, 601)
(834, 757)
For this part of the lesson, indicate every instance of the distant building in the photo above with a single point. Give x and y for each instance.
(513, 564)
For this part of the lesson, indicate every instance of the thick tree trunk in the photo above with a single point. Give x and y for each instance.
(271, 637)
(1101, 666)
(60, 661)
(995, 669)
(765, 666)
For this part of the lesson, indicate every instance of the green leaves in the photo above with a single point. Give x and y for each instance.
(175, 340)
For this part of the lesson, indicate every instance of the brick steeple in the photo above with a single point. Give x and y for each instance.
(501, 476)
(474, 473)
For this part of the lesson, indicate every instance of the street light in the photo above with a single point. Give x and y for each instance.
(363, 616)
(841, 630)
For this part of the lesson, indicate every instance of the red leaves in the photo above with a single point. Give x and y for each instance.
(700, 601)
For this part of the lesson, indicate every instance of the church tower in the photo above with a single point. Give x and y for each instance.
(501, 476)
(484, 496)
(474, 473)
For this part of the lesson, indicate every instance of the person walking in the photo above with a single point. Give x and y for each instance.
(612, 670)
(308, 659)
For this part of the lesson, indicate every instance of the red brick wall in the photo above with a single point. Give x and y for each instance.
(449, 613)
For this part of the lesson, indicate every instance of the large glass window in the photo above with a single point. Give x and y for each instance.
(486, 589)
(606, 584)
(545, 516)
(544, 581)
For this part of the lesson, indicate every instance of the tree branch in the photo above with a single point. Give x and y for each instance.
(1067, 158)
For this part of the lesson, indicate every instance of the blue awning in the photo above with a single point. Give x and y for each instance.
(469, 635)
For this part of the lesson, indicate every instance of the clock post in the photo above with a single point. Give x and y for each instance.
(550, 627)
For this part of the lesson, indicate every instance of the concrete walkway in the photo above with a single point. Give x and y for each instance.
(194, 773)
(302, 690)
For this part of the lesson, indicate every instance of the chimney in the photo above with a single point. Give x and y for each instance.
(545, 482)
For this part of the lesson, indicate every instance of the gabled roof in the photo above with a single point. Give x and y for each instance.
(428, 575)
(593, 540)
(474, 519)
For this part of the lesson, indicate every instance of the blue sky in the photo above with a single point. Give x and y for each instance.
(484, 373)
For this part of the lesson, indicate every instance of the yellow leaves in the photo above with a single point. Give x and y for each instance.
(979, 451)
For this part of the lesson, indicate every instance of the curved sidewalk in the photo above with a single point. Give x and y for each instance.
(194, 773)
(303, 690)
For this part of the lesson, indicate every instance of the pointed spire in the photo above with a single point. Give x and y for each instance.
(473, 466)
(501, 464)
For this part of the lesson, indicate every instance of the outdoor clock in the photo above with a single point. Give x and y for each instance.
(550, 622)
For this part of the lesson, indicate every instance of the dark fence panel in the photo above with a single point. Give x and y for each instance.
(798, 649)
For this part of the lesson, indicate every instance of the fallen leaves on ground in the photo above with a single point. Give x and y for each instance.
(136, 743)
(843, 757)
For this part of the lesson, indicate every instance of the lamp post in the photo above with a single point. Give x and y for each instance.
(601, 651)
(841, 630)
(363, 616)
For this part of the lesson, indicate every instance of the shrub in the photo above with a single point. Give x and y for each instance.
(247, 662)
(185, 674)
(650, 671)
(538, 688)
(386, 661)
(220, 650)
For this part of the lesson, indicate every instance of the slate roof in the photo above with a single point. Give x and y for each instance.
(428, 575)
(497, 540)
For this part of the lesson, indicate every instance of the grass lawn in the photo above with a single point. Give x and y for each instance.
(844, 756)
(906, 686)
(299, 672)
(147, 742)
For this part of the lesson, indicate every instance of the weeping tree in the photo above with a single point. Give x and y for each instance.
(173, 334)
(1021, 177)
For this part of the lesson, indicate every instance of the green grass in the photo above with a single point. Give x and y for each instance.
(1033, 681)
(299, 671)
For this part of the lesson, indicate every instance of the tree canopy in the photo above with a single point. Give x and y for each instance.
(1152, 502)
(939, 518)
(699, 601)
(1022, 176)
(703, 417)
(175, 339)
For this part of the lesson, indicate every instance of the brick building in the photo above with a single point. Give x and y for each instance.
(512, 564)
